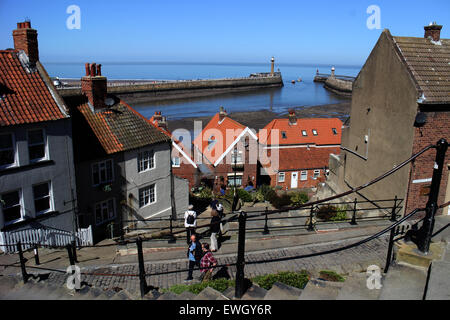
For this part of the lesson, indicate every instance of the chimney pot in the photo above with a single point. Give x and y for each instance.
(99, 70)
(25, 38)
(94, 87)
(433, 31)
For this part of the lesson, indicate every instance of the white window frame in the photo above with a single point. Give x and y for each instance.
(315, 133)
(304, 175)
(50, 200)
(239, 155)
(316, 173)
(22, 217)
(44, 138)
(150, 159)
(105, 203)
(144, 189)
(334, 131)
(99, 172)
(304, 133)
(176, 162)
(283, 135)
(281, 174)
(13, 138)
(231, 177)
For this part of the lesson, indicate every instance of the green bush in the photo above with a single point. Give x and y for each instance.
(331, 276)
(257, 196)
(298, 198)
(245, 195)
(218, 284)
(326, 212)
(341, 215)
(294, 279)
(281, 201)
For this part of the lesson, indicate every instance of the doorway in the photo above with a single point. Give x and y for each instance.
(294, 180)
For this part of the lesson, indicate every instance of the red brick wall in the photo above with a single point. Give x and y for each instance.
(309, 183)
(437, 126)
(249, 173)
(187, 171)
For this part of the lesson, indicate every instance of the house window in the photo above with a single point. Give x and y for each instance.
(304, 175)
(36, 145)
(283, 134)
(334, 131)
(42, 198)
(235, 182)
(236, 157)
(211, 142)
(102, 172)
(11, 206)
(146, 160)
(281, 177)
(6, 150)
(104, 211)
(147, 195)
(304, 133)
(314, 131)
(316, 173)
(175, 161)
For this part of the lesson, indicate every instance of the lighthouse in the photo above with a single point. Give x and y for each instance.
(272, 66)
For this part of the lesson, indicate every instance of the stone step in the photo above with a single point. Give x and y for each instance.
(255, 292)
(321, 290)
(439, 281)
(403, 283)
(186, 295)
(281, 291)
(210, 294)
(168, 296)
(355, 288)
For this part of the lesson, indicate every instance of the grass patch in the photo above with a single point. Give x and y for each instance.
(294, 279)
(329, 275)
(219, 284)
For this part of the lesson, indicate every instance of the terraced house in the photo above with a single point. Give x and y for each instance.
(37, 177)
(122, 161)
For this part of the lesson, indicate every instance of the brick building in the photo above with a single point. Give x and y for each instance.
(400, 104)
(300, 149)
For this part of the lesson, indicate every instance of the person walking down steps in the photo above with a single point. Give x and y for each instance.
(190, 222)
(207, 263)
(195, 254)
(214, 229)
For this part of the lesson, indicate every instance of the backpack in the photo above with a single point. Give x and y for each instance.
(198, 252)
(190, 219)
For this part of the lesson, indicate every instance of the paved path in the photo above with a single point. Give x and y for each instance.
(355, 259)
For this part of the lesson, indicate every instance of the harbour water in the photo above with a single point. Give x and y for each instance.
(305, 93)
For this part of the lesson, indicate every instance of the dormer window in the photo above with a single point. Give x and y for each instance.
(314, 131)
(211, 142)
(304, 133)
(334, 131)
(283, 134)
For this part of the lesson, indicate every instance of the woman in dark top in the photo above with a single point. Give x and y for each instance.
(214, 229)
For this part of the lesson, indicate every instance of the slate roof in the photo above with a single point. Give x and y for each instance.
(120, 128)
(26, 97)
(293, 132)
(429, 64)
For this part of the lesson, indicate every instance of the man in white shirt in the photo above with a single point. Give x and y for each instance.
(190, 222)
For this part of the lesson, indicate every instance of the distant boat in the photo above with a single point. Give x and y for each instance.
(299, 80)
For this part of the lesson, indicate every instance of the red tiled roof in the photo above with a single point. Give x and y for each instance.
(25, 97)
(293, 132)
(223, 133)
(304, 158)
(120, 127)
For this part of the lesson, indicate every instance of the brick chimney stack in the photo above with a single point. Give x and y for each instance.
(433, 30)
(222, 114)
(292, 117)
(93, 86)
(25, 38)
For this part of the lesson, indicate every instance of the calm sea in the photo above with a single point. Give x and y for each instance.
(305, 93)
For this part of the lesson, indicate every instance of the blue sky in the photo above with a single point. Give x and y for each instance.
(328, 32)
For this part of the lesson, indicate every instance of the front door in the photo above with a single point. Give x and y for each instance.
(294, 180)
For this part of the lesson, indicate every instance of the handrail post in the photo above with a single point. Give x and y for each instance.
(36, 255)
(266, 227)
(70, 254)
(423, 236)
(74, 251)
(142, 281)
(172, 238)
(311, 215)
(22, 263)
(353, 222)
(394, 211)
(239, 289)
(389, 253)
